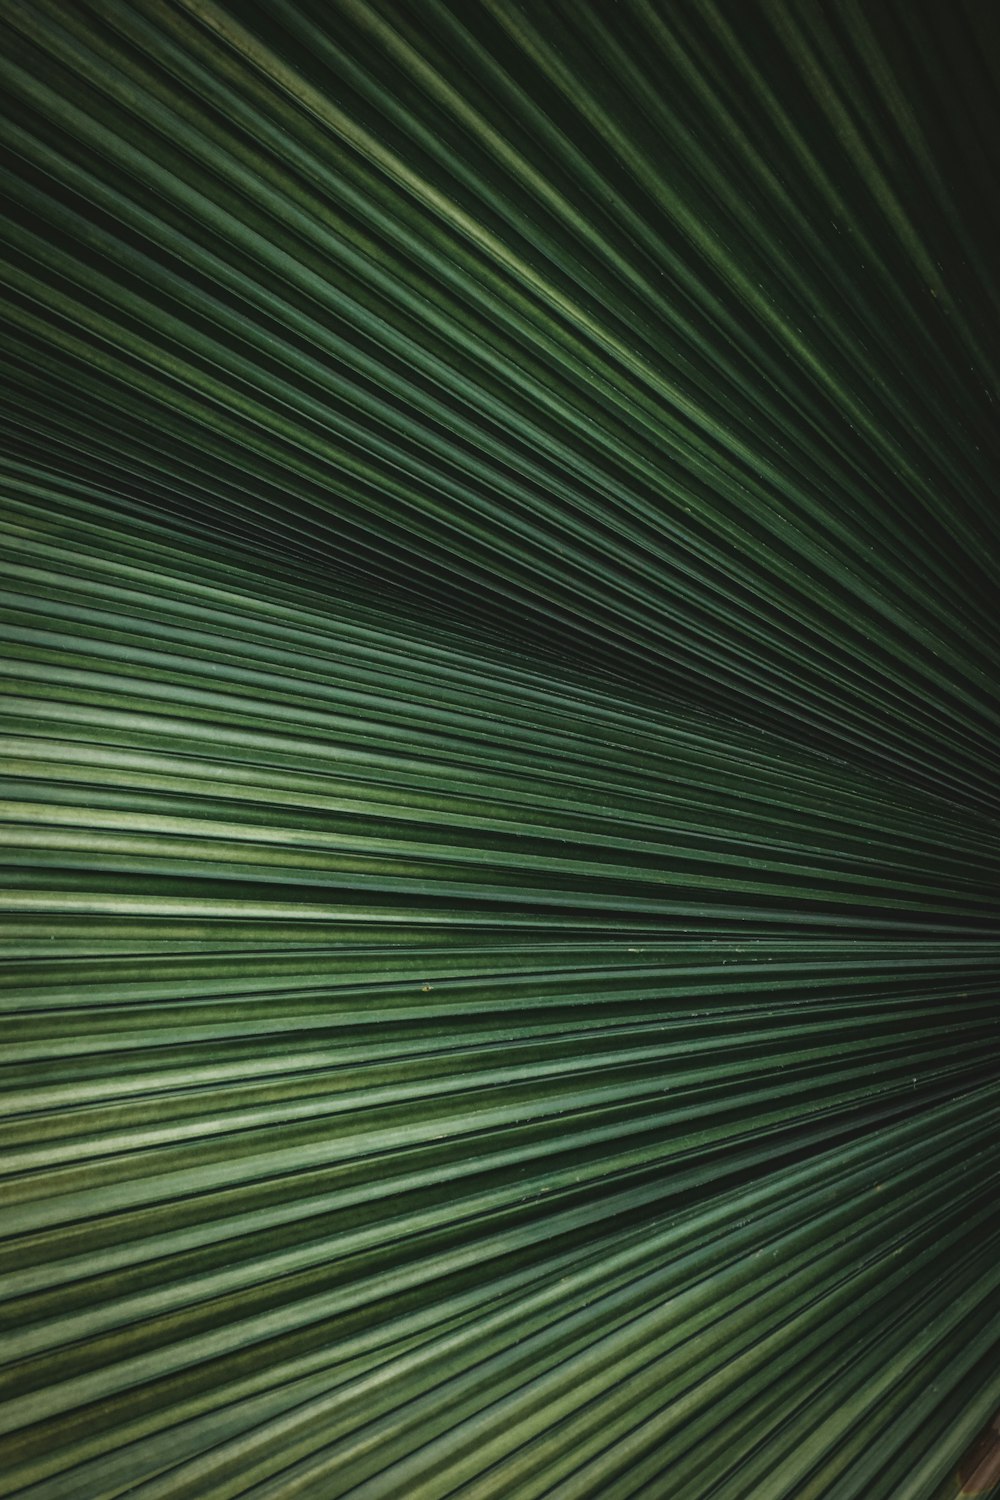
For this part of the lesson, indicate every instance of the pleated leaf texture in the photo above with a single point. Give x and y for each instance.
(501, 694)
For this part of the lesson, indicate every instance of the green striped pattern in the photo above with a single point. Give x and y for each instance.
(501, 695)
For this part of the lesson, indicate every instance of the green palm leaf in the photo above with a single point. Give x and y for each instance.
(500, 820)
